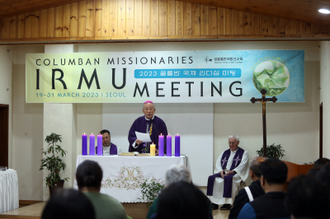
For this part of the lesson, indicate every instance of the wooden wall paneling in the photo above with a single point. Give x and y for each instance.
(171, 7)
(281, 26)
(59, 21)
(229, 22)
(146, 18)
(82, 19)
(20, 26)
(74, 17)
(90, 18)
(246, 21)
(35, 24)
(255, 24)
(138, 11)
(154, 18)
(5, 28)
(51, 22)
(43, 23)
(12, 27)
(195, 19)
(204, 20)
(179, 18)
(162, 18)
(289, 27)
(187, 19)
(238, 22)
(28, 26)
(66, 20)
(98, 18)
(1, 24)
(121, 18)
(105, 18)
(113, 18)
(263, 25)
(306, 28)
(272, 25)
(323, 29)
(213, 21)
(130, 17)
(221, 21)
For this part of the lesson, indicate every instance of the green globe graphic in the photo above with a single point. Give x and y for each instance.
(273, 76)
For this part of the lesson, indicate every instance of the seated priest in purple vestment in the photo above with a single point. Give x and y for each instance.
(231, 168)
(149, 123)
(108, 147)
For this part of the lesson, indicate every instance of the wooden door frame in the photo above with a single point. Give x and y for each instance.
(4, 134)
(321, 130)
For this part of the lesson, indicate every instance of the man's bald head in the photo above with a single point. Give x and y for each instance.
(254, 166)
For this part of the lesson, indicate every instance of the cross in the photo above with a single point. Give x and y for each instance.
(224, 161)
(264, 100)
(236, 161)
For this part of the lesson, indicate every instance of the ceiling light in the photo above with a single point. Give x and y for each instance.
(324, 11)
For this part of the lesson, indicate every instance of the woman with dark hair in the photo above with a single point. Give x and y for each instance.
(182, 200)
(68, 204)
(89, 176)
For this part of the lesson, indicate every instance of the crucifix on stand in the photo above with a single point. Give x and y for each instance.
(264, 100)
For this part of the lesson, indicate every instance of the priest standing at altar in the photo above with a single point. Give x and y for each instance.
(149, 123)
(231, 168)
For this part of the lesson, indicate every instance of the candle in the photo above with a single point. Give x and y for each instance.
(161, 145)
(152, 149)
(169, 145)
(84, 144)
(92, 144)
(177, 145)
(99, 145)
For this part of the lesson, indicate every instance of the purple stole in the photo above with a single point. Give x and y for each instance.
(113, 149)
(228, 180)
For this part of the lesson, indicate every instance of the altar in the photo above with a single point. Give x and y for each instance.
(8, 190)
(122, 175)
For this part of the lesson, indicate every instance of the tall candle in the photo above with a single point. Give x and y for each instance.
(161, 145)
(169, 145)
(152, 149)
(177, 145)
(92, 144)
(99, 145)
(84, 144)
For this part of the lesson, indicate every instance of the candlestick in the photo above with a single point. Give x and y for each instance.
(92, 144)
(152, 149)
(99, 145)
(177, 145)
(169, 145)
(84, 144)
(161, 145)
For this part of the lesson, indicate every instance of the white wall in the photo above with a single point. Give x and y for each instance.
(294, 125)
(6, 64)
(325, 94)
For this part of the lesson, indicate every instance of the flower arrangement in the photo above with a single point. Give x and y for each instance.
(272, 151)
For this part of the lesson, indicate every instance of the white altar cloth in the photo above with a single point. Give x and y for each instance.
(8, 190)
(122, 175)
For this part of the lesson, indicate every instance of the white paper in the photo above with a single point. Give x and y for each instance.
(143, 136)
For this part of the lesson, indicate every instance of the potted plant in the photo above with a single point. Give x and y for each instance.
(150, 191)
(272, 151)
(53, 162)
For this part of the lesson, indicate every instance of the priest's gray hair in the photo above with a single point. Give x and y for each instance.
(234, 136)
(177, 173)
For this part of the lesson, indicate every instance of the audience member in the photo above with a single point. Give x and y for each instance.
(324, 175)
(248, 194)
(321, 161)
(307, 197)
(182, 200)
(68, 204)
(175, 173)
(89, 177)
(270, 205)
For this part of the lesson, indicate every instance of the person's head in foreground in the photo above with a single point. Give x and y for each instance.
(182, 200)
(89, 176)
(177, 173)
(307, 197)
(68, 204)
(273, 174)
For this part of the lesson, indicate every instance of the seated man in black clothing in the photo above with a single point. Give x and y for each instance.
(307, 197)
(270, 205)
(250, 193)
